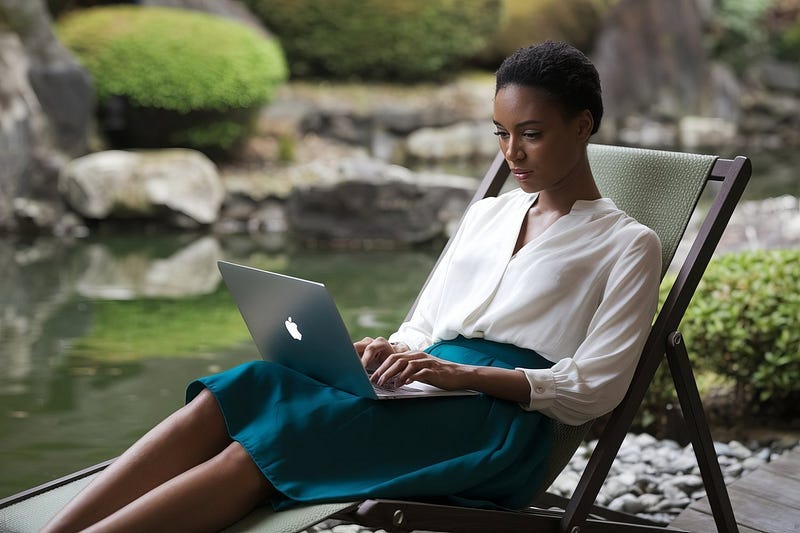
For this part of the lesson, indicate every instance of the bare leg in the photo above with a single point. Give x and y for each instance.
(188, 437)
(209, 497)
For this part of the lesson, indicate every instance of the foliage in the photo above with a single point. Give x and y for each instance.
(744, 31)
(743, 325)
(150, 58)
(744, 321)
(523, 22)
(374, 39)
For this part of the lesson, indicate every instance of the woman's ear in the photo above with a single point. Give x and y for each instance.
(585, 124)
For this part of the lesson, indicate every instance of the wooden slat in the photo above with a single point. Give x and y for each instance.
(694, 520)
(767, 500)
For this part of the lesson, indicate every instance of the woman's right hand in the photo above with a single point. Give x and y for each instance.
(373, 352)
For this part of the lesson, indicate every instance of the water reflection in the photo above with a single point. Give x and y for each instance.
(98, 339)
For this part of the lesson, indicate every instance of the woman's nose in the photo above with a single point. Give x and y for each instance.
(513, 151)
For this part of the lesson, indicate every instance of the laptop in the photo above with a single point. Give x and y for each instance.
(295, 322)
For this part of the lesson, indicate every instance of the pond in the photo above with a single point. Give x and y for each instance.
(98, 339)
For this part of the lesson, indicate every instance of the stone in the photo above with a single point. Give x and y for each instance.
(46, 105)
(780, 75)
(367, 200)
(697, 133)
(465, 140)
(664, 71)
(120, 184)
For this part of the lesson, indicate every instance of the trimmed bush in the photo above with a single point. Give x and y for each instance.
(523, 22)
(743, 325)
(374, 39)
(174, 77)
(744, 322)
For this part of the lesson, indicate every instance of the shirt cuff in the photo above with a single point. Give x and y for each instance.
(543, 388)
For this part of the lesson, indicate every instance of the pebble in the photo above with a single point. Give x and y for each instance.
(651, 478)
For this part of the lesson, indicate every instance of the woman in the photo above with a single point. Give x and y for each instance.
(542, 303)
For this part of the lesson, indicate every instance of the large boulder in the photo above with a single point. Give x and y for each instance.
(184, 184)
(651, 59)
(359, 199)
(46, 106)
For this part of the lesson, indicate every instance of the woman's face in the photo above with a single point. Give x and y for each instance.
(542, 146)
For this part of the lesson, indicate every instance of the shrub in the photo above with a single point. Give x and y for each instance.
(379, 40)
(743, 325)
(744, 322)
(523, 22)
(182, 78)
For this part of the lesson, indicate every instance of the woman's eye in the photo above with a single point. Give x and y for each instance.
(532, 134)
(500, 133)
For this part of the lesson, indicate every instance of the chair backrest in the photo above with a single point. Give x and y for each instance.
(659, 189)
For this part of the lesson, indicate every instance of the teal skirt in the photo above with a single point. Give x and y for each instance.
(315, 443)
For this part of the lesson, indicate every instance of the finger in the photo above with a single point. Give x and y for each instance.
(391, 365)
(362, 344)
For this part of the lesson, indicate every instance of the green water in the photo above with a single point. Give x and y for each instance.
(93, 353)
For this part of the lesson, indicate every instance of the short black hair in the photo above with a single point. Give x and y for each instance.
(559, 69)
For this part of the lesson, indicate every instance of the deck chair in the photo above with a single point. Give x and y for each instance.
(660, 189)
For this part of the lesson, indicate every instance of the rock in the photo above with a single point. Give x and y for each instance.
(465, 140)
(120, 184)
(706, 132)
(664, 71)
(367, 200)
(46, 105)
(781, 76)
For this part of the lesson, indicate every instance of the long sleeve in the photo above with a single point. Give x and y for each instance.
(594, 380)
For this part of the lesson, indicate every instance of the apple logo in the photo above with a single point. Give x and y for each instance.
(291, 327)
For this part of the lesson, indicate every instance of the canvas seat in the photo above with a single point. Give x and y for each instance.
(660, 189)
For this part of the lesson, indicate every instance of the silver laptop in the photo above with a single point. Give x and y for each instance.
(295, 322)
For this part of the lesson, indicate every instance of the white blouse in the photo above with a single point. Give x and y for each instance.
(582, 294)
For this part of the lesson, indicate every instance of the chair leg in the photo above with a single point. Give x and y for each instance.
(699, 433)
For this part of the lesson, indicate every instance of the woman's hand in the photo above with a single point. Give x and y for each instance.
(396, 365)
(374, 351)
(402, 368)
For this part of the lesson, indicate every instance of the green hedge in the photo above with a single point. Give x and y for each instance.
(202, 78)
(742, 325)
(523, 22)
(744, 322)
(377, 39)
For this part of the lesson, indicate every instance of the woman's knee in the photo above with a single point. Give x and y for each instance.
(237, 463)
(204, 412)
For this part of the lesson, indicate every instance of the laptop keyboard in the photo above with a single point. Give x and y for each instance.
(405, 389)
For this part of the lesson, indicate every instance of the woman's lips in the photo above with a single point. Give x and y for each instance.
(521, 173)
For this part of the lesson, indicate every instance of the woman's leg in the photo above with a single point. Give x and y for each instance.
(209, 497)
(188, 437)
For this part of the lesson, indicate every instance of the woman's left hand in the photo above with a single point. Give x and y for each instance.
(402, 368)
